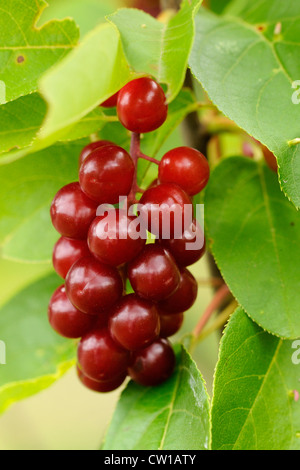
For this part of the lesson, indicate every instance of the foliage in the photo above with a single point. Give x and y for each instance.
(246, 58)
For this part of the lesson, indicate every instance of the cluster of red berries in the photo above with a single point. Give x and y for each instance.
(125, 334)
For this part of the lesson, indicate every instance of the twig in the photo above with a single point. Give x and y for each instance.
(220, 321)
(214, 305)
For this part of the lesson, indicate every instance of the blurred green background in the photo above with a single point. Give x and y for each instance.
(67, 416)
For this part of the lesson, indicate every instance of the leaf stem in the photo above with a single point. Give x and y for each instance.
(219, 297)
(220, 321)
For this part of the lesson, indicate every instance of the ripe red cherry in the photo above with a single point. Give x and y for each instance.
(72, 212)
(154, 274)
(113, 237)
(66, 252)
(101, 387)
(185, 167)
(90, 148)
(166, 209)
(65, 319)
(170, 324)
(93, 287)
(142, 105)
(153, 365)
(111, 102)
(106, 174)
(100, 358)
(134, 323)
(188, 249)
(270, 159)
(183, 298)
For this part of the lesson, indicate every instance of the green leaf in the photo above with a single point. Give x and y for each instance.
(27, 188)
(217, 6)
(26, 51)
(254, 233)
(87, 14)
(35, 355)
(154, 418)
(256, 388)
(248, 65)
(159, 49)
(20, 121)
(87, 77)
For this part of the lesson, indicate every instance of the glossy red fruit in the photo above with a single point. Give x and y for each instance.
(66, 252)
(86, 152)
(134, 323)
(113, 238)
(170, 324)
(185, 167)
(154, 274)
(188, 249)
(149, 6)
(100, 358)
(270, 159)
(93, 287)
(72, 212)
(153, 365)
(184, 297)
(101, 387)
(142, 105)
(165, 209)
(65, 319)
(111, 102)
(106, 174)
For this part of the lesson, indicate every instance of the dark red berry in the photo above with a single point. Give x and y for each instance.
(153, 365)
(134, 323)
(154, 274)
(66, 252)
(183, 298)
(188, 249)
(186, 167)
(90, 148)
(65, 319)
(107, 174)
(113, 238)
(170, 324)
(111, 102)
(93, 287)
(166, 209)
(270, 159)
(100, 358)
(101, 387)
(72, 212)
(142, 105)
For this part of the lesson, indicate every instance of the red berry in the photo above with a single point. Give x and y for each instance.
(90, 148)
(113, 238)
(72, 212)
(66, 252)
(93, 287)
(134, 323)
(185, 167)
(154, 274)
(106, 174)
(183, 298)
(65, 319)
(270, 159)
(166, 209)
(170, 324)
(101, 387)
(111, 102)
(142, 105)
(153, 365)
(188, 249)
(100, 358)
